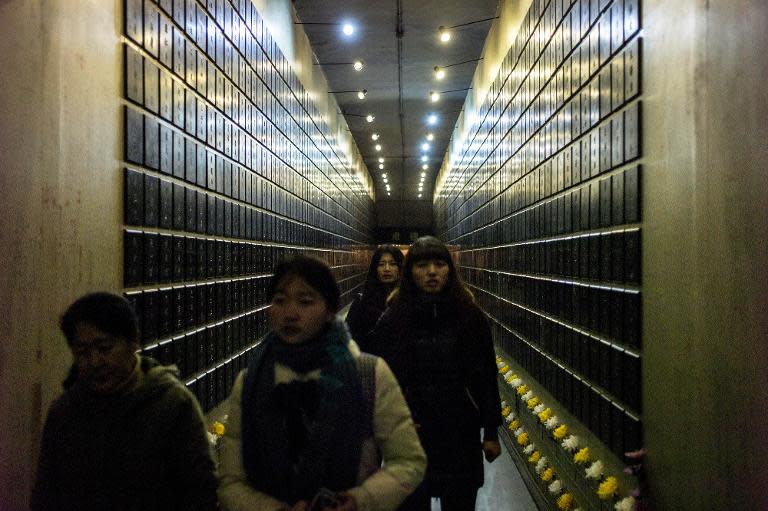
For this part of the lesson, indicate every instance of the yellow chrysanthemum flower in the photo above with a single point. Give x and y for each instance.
(533, 402)
(535, 457)
(523, 438)
(522, 389)
(582, 456)
(560, 432)
(565, 502)
(607, 488)
(217, 428)
(506, 411)
(503, 369)
(545, 415)
(547, 474)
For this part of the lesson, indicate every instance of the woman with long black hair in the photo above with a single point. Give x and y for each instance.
(311, 415)
(383, 277)
(438, 343)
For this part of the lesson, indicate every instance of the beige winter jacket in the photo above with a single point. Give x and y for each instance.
(380, 488)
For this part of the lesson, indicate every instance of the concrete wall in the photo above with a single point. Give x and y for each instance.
(60, 202)
(704, 252)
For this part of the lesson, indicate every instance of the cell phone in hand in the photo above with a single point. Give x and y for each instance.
(324, 498)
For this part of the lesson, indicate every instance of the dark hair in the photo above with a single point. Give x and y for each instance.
(372, 280)
(108, 312)
(314, 272)
(425, 248)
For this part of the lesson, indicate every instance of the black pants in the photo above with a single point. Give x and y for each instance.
(420, 500)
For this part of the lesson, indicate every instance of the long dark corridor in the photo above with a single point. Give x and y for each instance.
(595, 166)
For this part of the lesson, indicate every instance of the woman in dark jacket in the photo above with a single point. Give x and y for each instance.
(383, 277)
(438, 343)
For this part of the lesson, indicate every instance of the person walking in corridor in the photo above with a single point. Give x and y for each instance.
(383, 277)
(438, 343)
(311, 414)
(126, 434)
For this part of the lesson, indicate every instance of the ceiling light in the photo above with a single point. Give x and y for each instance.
(378, 147)
(348, 29)
(381, 160)
(425, 146)
(445, 35)
(388, 194)
(358, 65)
(423, 174)
(434, 96)
(369, 118)
(432, 119)
(381, 166)
(424, 158)
(375, 136)
(361, 93)
(419, 196)
(430, 137)
(384, 175)
(439, 72)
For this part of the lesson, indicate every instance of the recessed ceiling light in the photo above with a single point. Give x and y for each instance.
(434, 96)
(432, 119)
(445, 35)
(439, 72)
(375, 136)
(378, 147)
(419, 196)
(424, 174)
(425, 167)
(348, 29)
(384, 175)
(430, 137)
(369, 118)
(358, 65)
(425, 146)
(381, 166)
(381, 160)
(424, 158)
(361, 93)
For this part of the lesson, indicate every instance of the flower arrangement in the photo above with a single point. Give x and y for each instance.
(514, 424)
(532, 403)
(595, 470)
(607, 488)
(529, 448)
(535, 457)
(544, 415)
(625, 504)
(565, 502)
(517, 382)
(552, 422)
(528, 396)
(522, 390)
(560, 432)
(215, 432)
(547, 474)
(555, 487)
(582, 456)
(522, 439)
(506, 411)
(541, 465)
(571, 443)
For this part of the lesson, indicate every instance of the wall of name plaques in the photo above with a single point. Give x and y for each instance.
(228, 167)
(544, 203)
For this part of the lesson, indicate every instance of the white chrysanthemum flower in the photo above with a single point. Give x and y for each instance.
(556, 487)
(503, 404)
(519, 431)
(552, 422)
(541, 465)
(212, 438)
(509, 373)
(571, 443)
(516, 382)
(509, 418)
(627, 504)
(529, 448)
(528, 395)
(595, 470)
(539, 408)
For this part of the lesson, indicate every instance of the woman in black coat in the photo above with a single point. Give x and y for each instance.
(383, 277)
(438, 343)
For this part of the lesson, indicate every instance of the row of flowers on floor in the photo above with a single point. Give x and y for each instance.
(607, 485)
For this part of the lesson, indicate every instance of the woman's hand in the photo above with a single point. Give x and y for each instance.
(491, 449)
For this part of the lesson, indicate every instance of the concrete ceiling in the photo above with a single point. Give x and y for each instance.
(398, 75)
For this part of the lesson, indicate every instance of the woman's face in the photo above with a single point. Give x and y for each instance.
(431, 275)
(298, 312)
(387, 270)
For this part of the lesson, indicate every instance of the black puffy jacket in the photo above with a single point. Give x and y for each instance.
(442, 354)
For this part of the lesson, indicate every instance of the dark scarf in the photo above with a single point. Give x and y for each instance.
(301, 436)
